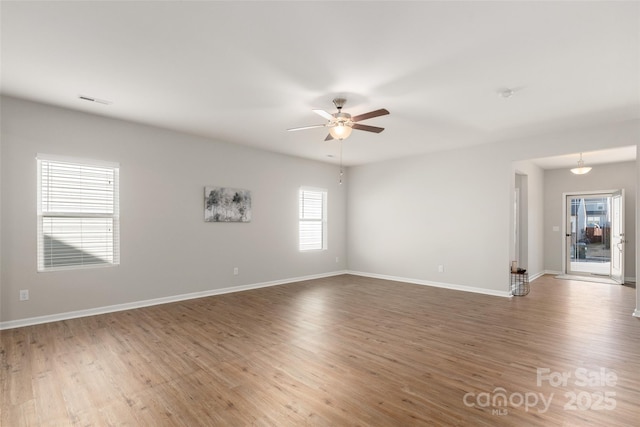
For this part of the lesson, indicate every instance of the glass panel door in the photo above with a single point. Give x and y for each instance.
(589, 234)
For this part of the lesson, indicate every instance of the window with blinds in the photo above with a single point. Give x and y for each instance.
(78, 213)
(313, 219)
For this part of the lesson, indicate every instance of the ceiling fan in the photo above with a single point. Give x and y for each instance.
(341, 124)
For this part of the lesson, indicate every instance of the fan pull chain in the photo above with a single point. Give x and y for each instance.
(341, 170)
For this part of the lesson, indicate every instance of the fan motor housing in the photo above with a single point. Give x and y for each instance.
(342, 117)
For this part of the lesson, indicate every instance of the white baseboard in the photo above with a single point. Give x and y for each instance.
(434, 284)
(10, 324)
(629, 280)
(553, 272)
(537, 275)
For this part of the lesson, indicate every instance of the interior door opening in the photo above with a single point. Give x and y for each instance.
(521, 221)
(594, 235)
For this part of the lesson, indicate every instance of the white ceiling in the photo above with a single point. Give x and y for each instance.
(244, 72)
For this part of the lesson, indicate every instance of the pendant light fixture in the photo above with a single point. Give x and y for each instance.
(581, 169)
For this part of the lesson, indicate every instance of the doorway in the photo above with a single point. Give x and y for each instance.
(594, 235)
(521, 221)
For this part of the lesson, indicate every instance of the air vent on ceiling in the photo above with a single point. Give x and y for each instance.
(92, 99)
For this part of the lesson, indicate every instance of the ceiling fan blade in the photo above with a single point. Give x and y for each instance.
(375, 129)
(324, 114)
(328, 138)
(307, 127)
(370, 115)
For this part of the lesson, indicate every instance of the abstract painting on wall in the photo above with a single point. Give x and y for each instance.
(227, 204)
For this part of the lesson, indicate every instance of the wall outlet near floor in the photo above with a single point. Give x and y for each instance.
(440, 268)
(235, 271)
(24, 294)
(337, 260)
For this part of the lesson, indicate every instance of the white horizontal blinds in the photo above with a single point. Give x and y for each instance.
(77, 188)
(312, 220)
(77, 241)
(77, 214)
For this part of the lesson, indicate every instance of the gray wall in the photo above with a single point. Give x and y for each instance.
(454, 208)
(406, 217)
(602, 177)
(166, 247)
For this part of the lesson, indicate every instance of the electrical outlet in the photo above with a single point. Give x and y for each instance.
(337, 260)
(24, 294)
(441, 268)
(235, 271)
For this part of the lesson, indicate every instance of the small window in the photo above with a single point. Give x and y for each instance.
(313, 219)
(78, 213)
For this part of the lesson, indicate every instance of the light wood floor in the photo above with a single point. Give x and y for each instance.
(340, 351)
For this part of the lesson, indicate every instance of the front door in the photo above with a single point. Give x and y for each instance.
(595, 235)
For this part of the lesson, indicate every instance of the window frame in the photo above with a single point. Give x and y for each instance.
(114, 216)
(323, 220)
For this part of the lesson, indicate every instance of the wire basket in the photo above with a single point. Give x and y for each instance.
(520, 284)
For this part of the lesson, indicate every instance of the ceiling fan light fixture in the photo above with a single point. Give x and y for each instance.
(341, 124)
(581, 169)
(340, 131)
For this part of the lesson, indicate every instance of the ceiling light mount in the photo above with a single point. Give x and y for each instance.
(339, 103)
(505, 92)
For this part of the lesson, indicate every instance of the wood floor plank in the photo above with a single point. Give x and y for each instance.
(344, 350)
